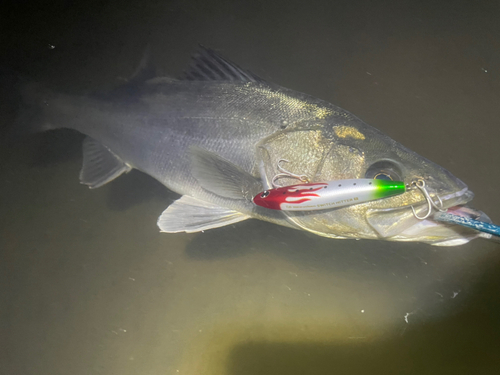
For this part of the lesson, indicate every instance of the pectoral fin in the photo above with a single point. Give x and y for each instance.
(222, 177)
(100, 165)
(189, 215)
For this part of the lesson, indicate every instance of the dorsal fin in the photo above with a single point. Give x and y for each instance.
(128, 89)
(146, 70)
(208, 65)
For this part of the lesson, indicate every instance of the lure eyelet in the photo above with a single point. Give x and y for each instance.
(265, 194)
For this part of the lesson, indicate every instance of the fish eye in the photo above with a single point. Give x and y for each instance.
(384, 170)
(383, 176)
(264, 194)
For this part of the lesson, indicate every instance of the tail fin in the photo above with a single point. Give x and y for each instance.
(20, 107)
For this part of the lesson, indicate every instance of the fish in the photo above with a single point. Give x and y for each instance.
(216, 136)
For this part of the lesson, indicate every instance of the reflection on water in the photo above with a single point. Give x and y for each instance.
(89, 286)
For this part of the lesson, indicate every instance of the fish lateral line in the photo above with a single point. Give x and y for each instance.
(327, 195)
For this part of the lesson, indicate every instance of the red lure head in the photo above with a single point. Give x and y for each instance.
(273, 198)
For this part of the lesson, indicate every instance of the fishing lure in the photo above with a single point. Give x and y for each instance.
(327, 195)
(481, 226)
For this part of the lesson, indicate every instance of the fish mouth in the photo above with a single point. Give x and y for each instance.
(456, 199)
(464, 195)
(400, 224)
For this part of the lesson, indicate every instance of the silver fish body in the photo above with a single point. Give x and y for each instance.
(217, 138)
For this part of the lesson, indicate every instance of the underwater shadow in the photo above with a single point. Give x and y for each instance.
(63, 145)
(134, 188)
(54, 147)
(423, 280)
(318, 252)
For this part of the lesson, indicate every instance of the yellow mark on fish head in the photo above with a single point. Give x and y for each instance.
(322, 112)
(348, 132)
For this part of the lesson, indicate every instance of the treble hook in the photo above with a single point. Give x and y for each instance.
(420, 184)
(285, 173)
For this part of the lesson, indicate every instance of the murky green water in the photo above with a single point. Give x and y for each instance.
(89, 286)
